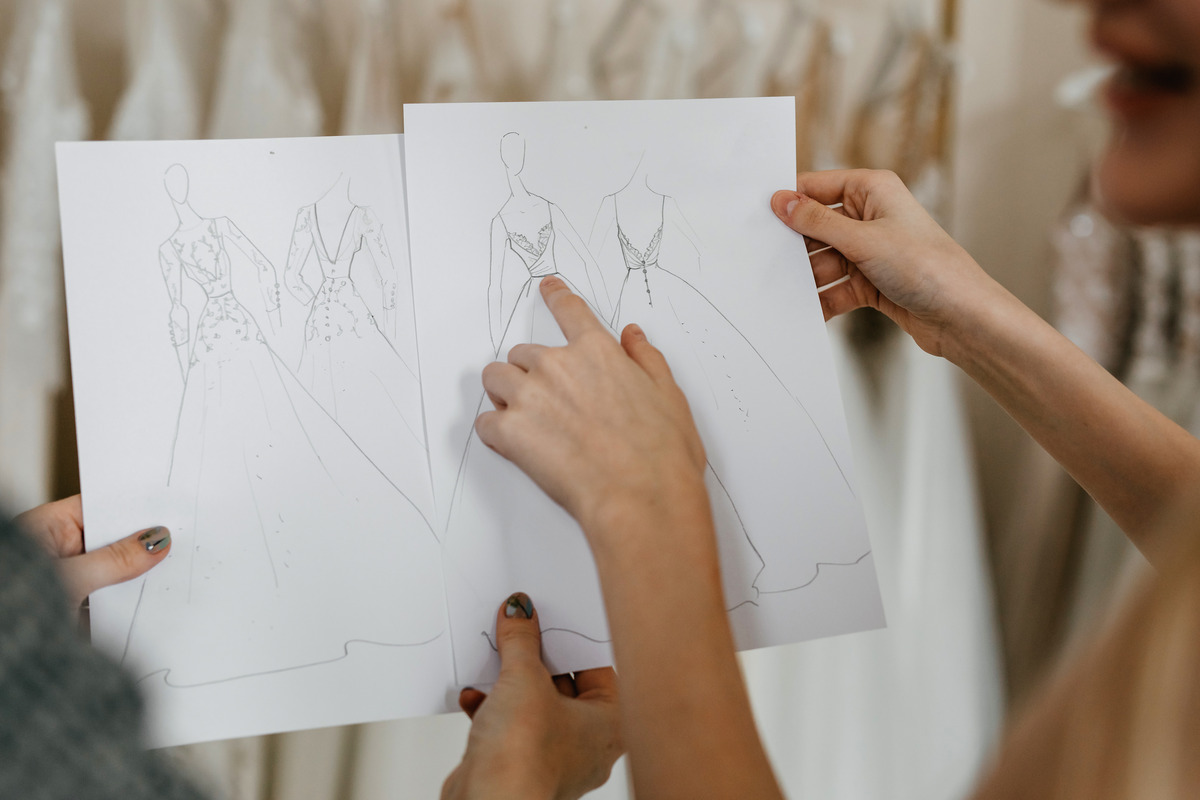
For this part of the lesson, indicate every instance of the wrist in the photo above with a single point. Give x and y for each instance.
(971, 330)
(669, 515)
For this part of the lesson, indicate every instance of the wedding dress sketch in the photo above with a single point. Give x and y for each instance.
(363, 375)
(525, 247)
(528, 227)
(642, 233)
(246, 576)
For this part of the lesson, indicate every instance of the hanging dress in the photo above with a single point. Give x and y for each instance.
(42, 105)
(162, 100)
(264, 89)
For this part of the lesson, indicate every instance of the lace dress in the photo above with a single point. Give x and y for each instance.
(348, 364)
(278, 493)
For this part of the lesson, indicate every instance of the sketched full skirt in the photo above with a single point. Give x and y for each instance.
(366, 386)
(293, 549)
(781, 477)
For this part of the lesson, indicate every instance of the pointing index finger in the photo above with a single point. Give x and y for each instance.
(571, 313)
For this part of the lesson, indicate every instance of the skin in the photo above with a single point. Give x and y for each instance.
(634, 480)
(58, 528)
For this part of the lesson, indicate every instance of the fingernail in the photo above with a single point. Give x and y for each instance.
(156, 539)
(551, 281)
(791, 206)
(519, 606)
(636, 330)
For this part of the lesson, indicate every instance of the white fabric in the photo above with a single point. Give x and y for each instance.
(452, 75)
(162, 100)
(372, 99)
(263, 86)
(43, 105)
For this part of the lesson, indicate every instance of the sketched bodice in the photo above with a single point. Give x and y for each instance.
(335, 264)
(538, 256)
(201, 250)
(640, 260)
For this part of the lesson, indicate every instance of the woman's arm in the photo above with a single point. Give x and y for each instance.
(1133, 460)
(604, 430)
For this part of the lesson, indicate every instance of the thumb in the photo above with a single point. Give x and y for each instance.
(120, 561)
(810, 218)
(518, 635)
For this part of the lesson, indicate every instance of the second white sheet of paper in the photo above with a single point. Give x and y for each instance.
(656, 213)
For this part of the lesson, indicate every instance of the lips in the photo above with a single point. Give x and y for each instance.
(1171, 78)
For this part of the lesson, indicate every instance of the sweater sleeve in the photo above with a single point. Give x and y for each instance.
(70, 720)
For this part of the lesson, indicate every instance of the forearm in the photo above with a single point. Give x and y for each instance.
(1132, 459)
(686, 717)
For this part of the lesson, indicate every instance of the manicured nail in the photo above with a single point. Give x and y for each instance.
(156, 539)
(518, 606)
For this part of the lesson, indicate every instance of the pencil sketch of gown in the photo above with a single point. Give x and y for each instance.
(367, 381)
(641, 235)
(278, 492)
(531, 238)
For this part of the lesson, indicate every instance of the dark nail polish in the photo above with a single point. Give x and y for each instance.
(519, 606)
(156, 539)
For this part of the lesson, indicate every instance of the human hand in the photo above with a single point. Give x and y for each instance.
(58, 528)
(898, 259)
(536, 736)
(599, 424)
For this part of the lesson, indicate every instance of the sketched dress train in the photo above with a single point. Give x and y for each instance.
(351, 367)
(776, 496)
(285, 508)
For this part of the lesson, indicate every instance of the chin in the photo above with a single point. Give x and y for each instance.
(1148, 183)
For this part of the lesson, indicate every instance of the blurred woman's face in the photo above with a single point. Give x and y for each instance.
(1151, 171)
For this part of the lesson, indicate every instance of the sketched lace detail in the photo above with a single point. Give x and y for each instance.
(634, 255)
(529, 247)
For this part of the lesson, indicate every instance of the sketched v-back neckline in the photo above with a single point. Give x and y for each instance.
(341, 238)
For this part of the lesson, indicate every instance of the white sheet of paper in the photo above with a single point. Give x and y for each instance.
(304, 585)
(657, 213)
(340, 538)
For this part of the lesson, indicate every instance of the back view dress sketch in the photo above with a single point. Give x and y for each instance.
(349, 364)
(245, 575)
(730, 387)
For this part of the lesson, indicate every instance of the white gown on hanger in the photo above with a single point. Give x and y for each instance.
(372, 101)
(162, 100)
(43, 105)
(452, 74)
(264, 88)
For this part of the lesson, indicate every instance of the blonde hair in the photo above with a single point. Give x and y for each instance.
(1121, 718)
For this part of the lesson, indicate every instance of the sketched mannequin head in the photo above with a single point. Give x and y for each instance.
(175, 179)
(512, 152)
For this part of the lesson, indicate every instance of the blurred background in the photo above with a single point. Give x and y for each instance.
(990, 558)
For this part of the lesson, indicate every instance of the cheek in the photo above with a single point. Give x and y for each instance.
(1150, 173)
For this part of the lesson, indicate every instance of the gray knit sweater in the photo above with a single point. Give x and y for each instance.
(70, 720)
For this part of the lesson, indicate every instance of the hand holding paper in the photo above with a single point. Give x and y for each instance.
(599, 425)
